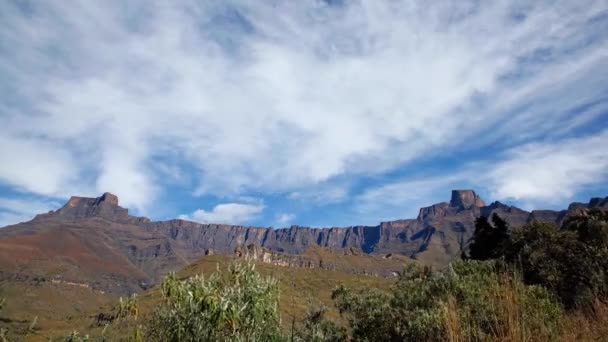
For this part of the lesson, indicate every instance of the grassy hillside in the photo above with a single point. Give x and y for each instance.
(61, 308)
(56, 308)
(300, 288)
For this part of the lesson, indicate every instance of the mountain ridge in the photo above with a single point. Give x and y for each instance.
(95, 241)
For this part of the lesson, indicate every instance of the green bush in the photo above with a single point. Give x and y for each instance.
(471, 300)
(74, 336)
(572, 262)
(239, 305)
(316, 328)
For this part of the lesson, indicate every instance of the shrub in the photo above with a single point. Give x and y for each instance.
(470, 301)
(369, 313)
(238, 305)
(74, 336)
(571, 262)
(316, 328)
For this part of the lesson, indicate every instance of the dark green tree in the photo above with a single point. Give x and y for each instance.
(572, 262)
(489, 241)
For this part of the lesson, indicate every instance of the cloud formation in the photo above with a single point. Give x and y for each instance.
(228, 213)
(551, 172)
(284, 219)
(287, 96)
(533, 175)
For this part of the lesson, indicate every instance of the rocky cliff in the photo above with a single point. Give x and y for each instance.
(349, 260)
(439, 232)
(95, 241)
(106, 207)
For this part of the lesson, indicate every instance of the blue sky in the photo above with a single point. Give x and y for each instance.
(323, 113)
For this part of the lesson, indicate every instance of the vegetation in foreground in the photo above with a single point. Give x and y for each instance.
(537, 283)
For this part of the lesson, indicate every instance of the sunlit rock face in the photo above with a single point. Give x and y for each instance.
(105, 206)
(465, 199)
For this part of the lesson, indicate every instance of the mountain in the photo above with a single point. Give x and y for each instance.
(96, 243)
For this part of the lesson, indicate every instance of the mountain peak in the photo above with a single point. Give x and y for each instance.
(465, 199)
(105, 206)
(109, 198)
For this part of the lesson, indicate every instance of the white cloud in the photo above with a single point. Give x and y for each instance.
(284, 219)
(321, 194)
(551, 172)
(34, 165)
(228, 213)
(403, 198)
(533, 175)
(282, 96)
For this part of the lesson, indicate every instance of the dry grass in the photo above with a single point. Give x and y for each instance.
(587, 325)
(581, 325)
(509, 321)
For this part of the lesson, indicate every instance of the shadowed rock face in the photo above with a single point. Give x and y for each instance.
(465, 199)
(99, 243)
(439, 233)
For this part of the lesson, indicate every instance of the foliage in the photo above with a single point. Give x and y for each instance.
(125, 320)
(489, 241)
(3, 331)
(571, 262)
(367, 312)
(74, 336)
(316, 328)
(239, 305)
(482, 303)
(127, 308)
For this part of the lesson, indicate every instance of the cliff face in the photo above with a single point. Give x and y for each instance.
(439, 233)
(443, 229)
(106, 207)
(97, 242)
(347, 260)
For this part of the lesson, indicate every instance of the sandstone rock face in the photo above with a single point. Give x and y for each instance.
(98, 243)
(439, 233)
(106, 206)
(328, 259)
(465, 199)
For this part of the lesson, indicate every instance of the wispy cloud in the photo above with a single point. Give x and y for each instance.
(532, 175)
(228, 213)
(284, 219)
(281, 96)
(550, 172)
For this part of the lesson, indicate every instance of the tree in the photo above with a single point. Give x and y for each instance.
(489, 241)
(572, 261)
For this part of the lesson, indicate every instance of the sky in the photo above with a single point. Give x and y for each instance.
(319, 113)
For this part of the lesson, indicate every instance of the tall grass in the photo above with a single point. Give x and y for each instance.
(507, 311)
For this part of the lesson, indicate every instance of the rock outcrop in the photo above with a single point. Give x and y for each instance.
(465, 199)
(347, 260)
(106, 207)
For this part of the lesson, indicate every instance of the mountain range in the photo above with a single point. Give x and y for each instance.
(95, 243)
